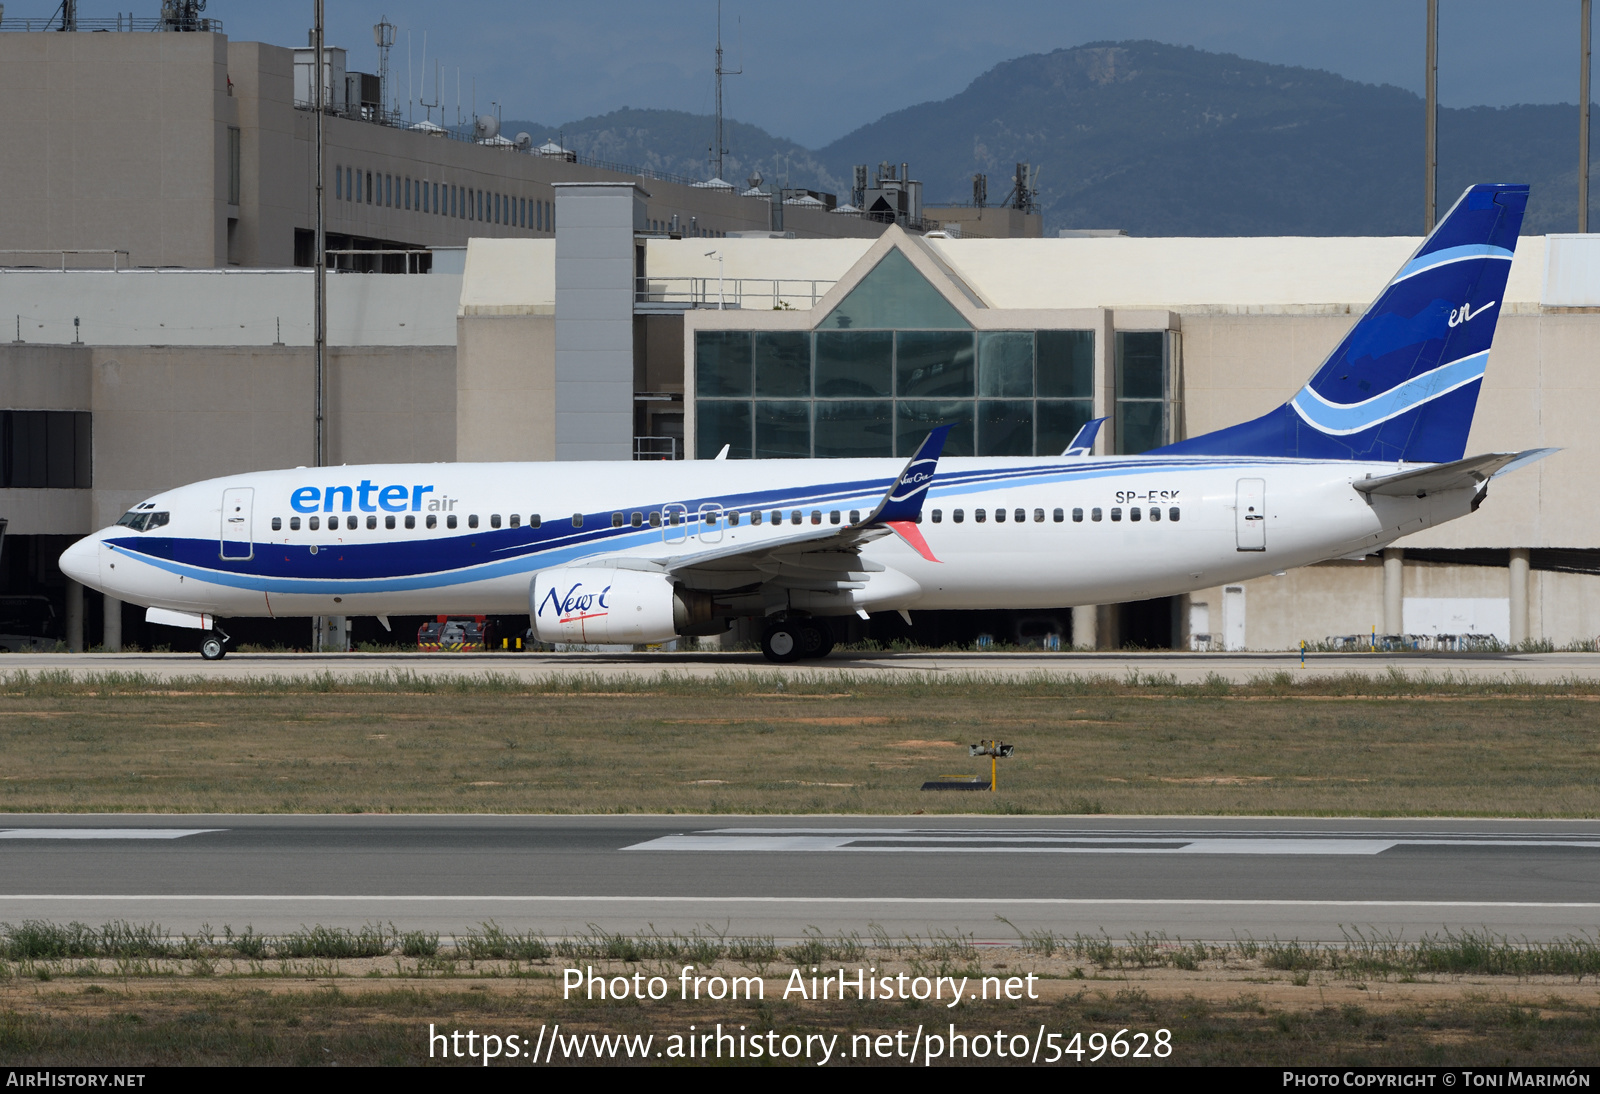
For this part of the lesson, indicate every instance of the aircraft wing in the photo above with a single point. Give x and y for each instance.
(1466, 474)
(825, 559)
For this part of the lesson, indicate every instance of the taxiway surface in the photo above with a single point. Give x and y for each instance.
(989, 877)
(1187, 668)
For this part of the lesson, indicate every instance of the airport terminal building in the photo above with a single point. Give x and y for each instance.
(532, 307)
(611, 342)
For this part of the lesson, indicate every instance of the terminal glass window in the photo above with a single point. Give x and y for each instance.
(1146, 390)
(45, 449)
(872, 393)
(233, 165)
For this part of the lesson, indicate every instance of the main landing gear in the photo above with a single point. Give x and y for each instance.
(214, 644)
(796, 638)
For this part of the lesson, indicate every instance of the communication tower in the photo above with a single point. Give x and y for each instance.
(383, 36)
(719, 148)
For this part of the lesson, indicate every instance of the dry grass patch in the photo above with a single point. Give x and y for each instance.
(737, 745)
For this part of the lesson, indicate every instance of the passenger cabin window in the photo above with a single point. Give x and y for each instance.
(938, 516)
(372, 523)
(816, 516)
(450, 521)
(1060, 515)
(388, 522)
(494, 520)
(411, 521)
(616, 520)
(277, 524)
(1094, 514)
(515, 520)
(312, 523)
(1133, 514)
(979, 515)
(294, 524)
(855, 516)
(999, 516)
(433, 520)
(655, 519)
(577, 520)
(1155, 512)
(794, 517)
(1038, 516)
(1116, 513)
(755, 517)
(533, 520)
(472, 521)
(733, 518)
(333, 524)
(1172, 514)
(1077, 516)
(958, 515)
(637, 520)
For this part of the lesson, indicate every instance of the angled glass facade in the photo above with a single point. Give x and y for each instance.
(891, 361)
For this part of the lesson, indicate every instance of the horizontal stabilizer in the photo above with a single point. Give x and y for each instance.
(1467, 474)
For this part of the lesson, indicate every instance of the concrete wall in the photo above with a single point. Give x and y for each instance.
(506, 387)
(1346, 597)
(116, 141)
(225, 307)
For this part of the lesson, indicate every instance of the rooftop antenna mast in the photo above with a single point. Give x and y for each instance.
(383, 37)
(720, 149)
(437, 68)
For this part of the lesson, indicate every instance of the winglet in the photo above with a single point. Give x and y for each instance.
(1083, 441)
(909, 532)
(903, 502)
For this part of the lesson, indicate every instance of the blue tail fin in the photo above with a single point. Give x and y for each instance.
(1404, 382)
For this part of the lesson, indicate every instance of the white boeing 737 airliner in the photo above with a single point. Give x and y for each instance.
(1369, 450)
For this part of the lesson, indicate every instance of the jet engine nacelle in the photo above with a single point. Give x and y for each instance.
(593, 604)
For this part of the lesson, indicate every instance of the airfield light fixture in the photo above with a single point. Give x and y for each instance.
(996, 751)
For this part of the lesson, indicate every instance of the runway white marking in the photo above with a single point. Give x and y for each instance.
(846, 900)
(909, 841)
(103, 833)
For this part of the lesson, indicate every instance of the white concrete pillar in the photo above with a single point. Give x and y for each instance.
(1394, 591)
(1085, 628)
(74, 617)
(1519, 595)
(111, 626)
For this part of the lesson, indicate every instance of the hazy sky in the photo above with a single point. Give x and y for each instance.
(815, 71)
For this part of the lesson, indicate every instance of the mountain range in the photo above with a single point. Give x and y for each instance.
(1153, 139)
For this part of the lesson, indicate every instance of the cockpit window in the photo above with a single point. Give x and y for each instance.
(143, 521)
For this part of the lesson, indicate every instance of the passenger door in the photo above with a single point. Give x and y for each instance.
(1250, 515)
(237, 505)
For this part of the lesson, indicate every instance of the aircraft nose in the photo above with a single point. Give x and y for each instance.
(81, 561)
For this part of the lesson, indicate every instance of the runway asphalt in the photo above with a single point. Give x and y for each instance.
(1183, 667)
(1205, 879)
